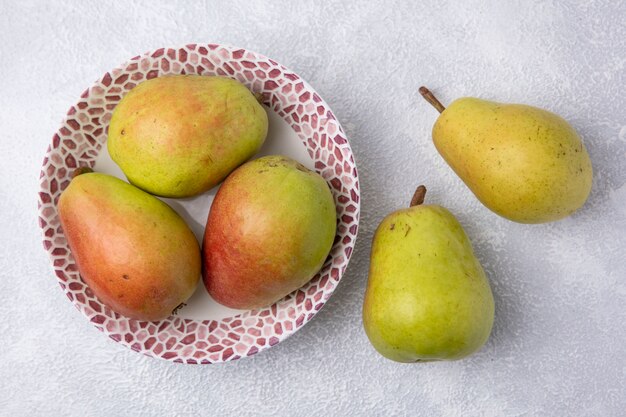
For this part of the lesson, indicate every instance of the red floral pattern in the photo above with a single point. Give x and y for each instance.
(81, 137)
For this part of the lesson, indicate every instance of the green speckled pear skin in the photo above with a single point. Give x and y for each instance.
(524, 163)
(180, 135)
(427, 296)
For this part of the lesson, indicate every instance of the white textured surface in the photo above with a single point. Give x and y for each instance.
(559, 342)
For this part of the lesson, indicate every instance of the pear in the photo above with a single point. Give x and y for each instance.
(270, 229)
(178, 136)
(137, 255)
(427, 296)
(524, 163)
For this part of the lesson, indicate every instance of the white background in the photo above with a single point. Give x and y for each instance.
(559, 342)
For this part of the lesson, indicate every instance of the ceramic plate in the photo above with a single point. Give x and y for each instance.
(301, 126)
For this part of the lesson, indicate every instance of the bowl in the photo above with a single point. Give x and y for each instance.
(301, 126)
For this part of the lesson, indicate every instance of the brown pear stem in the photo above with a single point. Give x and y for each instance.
(418, 197)
(259, 97)
(430, 97)
(81, 170)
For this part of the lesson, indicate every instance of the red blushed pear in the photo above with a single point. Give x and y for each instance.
(180, 135)
(137, 255)
(269, 231)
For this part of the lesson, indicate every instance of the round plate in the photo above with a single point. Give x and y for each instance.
(301, 125)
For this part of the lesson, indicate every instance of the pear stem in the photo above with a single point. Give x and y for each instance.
(259, 97)
(418, 197)
(81, 170)
(430, 97)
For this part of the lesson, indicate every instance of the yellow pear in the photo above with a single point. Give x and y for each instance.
(427, 296)
(524, 163)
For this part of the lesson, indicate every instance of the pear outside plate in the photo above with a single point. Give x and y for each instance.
(301, 126)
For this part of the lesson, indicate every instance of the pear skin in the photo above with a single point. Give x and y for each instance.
(269, 231)
(137, 255)
(427, 296)
(178, 136)
(524, 163)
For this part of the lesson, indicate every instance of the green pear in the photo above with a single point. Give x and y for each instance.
(137, 255)
(270, 229)
(524, 163)
(178, 136)
(427, 296)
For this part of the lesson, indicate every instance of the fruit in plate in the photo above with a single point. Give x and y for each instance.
(269, 231)
(137, 255)
(180, 135)
(427, 296)
(524, 163)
